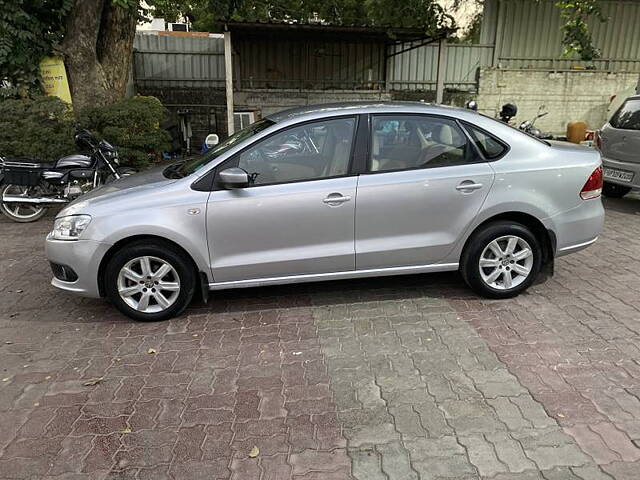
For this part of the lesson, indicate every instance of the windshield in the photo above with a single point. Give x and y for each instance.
(193, 165)
(628, 116)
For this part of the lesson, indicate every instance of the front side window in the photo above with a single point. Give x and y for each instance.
(309, 151)
(191, 166)
(403, 142)
(628, 116)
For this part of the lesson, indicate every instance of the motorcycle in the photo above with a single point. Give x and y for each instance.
(28, 189)
(528, 126)
(510, 110)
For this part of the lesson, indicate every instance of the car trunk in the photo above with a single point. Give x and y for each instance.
(620, 138)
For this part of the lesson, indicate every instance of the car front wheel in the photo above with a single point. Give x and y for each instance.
(150, 281)
(501, 260)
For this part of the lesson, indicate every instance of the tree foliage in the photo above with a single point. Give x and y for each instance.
(29, 31)
(133, 126)
(207, 15)
(576, 36)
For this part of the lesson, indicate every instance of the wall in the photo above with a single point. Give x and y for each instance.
(417, 69)
(280, 61)
(566, 95)
(272, 101)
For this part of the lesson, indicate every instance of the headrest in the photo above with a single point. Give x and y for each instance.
(444, 134)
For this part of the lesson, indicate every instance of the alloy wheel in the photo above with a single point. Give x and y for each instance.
(148, 284)
(21, 211)
(506, 262)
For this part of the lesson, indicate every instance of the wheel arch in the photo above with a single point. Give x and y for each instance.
(120, 244)
(545, 235)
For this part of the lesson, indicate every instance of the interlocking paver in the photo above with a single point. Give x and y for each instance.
(408, 378)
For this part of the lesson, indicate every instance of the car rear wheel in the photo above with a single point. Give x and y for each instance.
(613, 190)
(501, 260)
(150, 281)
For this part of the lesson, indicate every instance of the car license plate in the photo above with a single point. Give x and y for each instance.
(619, 175)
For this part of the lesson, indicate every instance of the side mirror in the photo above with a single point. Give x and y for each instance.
(212, 140)
(233, 178)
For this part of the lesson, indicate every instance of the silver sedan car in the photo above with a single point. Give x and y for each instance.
(333, 192)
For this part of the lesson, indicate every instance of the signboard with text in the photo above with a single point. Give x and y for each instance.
(54, 78)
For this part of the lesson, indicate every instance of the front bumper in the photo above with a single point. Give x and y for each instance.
(83, 257)
(626, 166)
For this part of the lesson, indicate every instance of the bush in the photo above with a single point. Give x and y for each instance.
(42, 128)
(132, 126)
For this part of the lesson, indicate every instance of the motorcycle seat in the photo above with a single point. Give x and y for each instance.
(25, 162)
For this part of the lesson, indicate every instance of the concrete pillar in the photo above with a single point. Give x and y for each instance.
(228, 75)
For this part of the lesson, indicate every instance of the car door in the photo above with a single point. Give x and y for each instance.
(297, 215)
(424, 183)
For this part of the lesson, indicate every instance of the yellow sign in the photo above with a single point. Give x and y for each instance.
(54, 78)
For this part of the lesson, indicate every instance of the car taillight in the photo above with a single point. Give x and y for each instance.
(593, 187)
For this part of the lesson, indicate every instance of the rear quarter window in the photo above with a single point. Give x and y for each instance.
(628, 116)
(490, 146)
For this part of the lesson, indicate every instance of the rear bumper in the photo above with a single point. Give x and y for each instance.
(83, 257)
(579, 227)
(627, 166)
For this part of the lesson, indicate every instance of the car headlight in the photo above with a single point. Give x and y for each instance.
(71, 227)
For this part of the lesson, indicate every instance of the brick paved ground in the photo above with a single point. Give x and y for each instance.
(395, 378)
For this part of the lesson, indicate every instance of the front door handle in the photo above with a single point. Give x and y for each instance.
(468, 186)
(335, 199)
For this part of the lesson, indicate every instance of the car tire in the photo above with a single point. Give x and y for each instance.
(150, 281)
(495, 260)
(613, 190)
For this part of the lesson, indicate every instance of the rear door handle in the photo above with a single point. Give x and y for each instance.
(336, 199)
(468, 186)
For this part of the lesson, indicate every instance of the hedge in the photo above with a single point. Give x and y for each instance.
(42, 128)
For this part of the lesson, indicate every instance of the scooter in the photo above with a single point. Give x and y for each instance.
(28, 188)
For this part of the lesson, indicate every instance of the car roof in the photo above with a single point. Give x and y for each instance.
(360, 107)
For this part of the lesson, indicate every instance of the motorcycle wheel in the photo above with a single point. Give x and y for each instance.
(21, 212)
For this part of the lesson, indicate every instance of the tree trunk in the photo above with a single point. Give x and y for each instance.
(98, 49)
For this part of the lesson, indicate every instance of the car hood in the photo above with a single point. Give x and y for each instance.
(129, 186)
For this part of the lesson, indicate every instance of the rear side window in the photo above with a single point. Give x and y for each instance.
(628, 116)
(489, 145)
(406, 142)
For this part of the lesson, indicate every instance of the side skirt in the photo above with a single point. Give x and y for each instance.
(318, 277)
